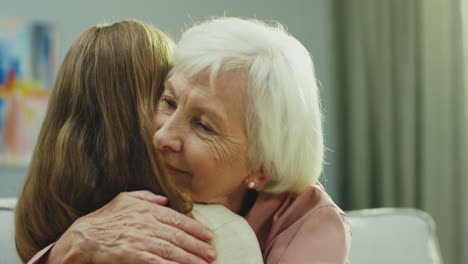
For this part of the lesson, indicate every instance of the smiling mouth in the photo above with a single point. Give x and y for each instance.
(172, 170)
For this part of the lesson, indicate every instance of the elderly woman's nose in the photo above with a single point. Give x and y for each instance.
(167, 138)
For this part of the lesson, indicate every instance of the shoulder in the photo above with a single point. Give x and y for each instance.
(315, 204)
(215, 216)
(313, 211)
(322, 235)
(285, 209)
(234, 239)
(301, 226)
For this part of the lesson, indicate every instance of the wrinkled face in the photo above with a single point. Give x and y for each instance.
(202, 137)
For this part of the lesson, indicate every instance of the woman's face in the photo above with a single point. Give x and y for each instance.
(202, 137)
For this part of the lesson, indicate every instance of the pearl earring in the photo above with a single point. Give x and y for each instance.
(251, 184)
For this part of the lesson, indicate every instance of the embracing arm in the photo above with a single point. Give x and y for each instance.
(132, 228)
(322, 237)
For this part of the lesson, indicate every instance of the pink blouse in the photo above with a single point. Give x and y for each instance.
(300, 228)
(293, 228)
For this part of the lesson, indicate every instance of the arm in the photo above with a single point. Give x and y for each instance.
(132, 228)
(323, 236)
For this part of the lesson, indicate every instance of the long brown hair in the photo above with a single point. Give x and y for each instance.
(96, 139)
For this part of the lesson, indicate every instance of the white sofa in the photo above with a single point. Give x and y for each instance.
(8, 253)
(393, 235)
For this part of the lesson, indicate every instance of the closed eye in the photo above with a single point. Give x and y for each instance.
(169, 103)
(205, 128)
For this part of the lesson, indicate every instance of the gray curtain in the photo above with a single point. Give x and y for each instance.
(402, 104)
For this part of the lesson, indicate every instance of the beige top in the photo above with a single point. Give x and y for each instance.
(234, 239)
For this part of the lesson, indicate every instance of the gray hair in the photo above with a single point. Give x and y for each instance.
(284, 120)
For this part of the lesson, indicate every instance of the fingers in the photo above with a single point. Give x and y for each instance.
(152, 259)
(184, 244)
(188, 225)
(148, 196)
(167, 251)
(172, 217)
(138, 240)
(127, 256)
(138, 221)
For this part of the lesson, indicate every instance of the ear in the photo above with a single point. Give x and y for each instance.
(255, 179)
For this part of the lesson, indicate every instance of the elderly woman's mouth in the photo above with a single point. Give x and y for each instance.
(173, 170)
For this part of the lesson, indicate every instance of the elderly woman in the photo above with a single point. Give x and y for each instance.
(239, 124)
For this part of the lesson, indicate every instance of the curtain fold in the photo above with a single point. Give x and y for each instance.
(403, 115)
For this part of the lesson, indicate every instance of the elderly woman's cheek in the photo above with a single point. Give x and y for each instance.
(226, 150)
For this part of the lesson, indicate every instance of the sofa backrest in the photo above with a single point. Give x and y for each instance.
(393, 235)
(8, 253)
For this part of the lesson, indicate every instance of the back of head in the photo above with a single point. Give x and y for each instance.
(284, 119)
(96, 139)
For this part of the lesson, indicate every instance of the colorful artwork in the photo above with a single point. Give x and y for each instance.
(27, 69)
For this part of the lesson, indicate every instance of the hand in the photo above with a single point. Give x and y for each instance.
(134, 227)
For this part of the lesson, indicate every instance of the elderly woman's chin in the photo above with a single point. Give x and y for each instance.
(185, 182)
(211, 194)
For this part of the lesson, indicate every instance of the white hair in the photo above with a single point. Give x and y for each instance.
(284, 120)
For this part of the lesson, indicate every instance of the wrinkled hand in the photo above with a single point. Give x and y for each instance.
(135, 227)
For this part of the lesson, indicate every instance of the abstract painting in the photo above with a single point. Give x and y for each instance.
(27, 69)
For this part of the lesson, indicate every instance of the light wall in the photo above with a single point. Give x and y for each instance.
(308, 20)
